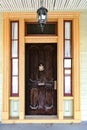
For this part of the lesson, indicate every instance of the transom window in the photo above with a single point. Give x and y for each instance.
(34, 29)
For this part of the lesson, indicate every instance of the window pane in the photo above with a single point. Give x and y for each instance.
(68, 108)
(14, 85)
(67, 84)
(33, 28)
(15, 67)
(67, 48)
(67, 71)
(14, 108)
(67, 63)
(14, 30)
(14, 48)
(67, 30)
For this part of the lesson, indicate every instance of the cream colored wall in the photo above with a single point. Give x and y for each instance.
(0, 65)
(83, 66)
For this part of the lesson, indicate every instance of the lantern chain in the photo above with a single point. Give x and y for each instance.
(41, 2)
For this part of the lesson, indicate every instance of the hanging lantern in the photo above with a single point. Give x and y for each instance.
(42, 17)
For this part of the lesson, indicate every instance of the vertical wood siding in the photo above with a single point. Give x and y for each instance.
(83, 66)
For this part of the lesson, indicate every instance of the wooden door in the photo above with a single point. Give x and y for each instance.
(40, 79)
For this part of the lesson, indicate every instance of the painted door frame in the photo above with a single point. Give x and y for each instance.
(31, 17)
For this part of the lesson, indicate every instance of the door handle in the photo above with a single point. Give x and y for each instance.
(55, 84)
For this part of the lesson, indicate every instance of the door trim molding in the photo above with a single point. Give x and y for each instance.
(55, 17)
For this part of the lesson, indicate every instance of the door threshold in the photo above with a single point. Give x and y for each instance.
(41, 117)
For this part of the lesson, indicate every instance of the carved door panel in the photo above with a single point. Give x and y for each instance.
(40, 79)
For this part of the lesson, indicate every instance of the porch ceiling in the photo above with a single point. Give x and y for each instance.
(51, 5)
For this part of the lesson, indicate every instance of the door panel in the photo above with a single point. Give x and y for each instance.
(40, 76)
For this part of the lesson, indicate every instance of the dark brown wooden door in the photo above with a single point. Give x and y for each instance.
(40, 79)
